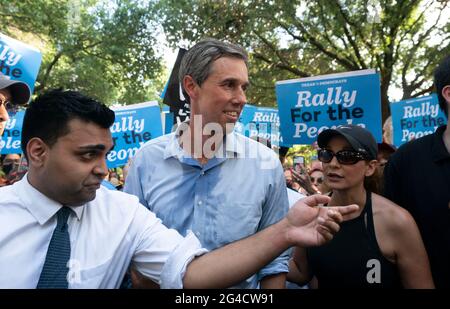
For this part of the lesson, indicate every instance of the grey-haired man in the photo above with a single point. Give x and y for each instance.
(206, 178)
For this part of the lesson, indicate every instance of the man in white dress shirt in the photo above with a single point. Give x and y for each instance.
(59, 213)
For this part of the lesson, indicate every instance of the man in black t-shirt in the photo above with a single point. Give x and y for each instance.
(417, 177)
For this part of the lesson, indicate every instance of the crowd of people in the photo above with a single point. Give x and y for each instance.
(210, 208)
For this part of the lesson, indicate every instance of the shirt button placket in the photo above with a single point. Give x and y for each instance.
(199, 202)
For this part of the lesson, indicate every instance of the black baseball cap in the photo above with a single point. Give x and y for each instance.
(20, 92)
(359, 138)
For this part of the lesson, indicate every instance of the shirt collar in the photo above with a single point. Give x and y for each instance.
(39, 205)
(438, 149)
(173, 148)
(233, 145)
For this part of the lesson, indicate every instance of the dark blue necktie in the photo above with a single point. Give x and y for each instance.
(54, 273)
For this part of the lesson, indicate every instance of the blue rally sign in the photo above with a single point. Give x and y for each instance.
(262, 122)
(415, 118)
(19, 61)
(10, 140)
(134, 125)
(310, 105)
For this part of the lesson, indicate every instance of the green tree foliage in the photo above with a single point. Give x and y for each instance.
(306, 151)
(402, 39)
(103, 48)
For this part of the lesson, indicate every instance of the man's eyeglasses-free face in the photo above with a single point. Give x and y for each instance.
(346, 157)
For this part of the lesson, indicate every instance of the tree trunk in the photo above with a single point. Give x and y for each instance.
(385, 110)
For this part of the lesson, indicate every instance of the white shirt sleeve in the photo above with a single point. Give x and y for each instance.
(175, 268)
(162, 254)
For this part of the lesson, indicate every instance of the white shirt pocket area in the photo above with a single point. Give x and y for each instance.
(94, 277)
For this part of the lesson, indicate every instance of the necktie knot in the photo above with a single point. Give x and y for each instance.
(62, 216)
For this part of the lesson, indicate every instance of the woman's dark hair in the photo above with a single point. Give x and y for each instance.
(373, 183)
(47, 116)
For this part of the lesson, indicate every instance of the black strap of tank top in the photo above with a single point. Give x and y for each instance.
(369, 222)
(368, 213)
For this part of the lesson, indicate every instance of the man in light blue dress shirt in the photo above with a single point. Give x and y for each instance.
(205, 177)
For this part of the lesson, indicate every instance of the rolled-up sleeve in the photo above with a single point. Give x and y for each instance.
(173, 271)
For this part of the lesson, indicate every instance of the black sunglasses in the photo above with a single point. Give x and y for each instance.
(9, 106)
(318, 179)
(4, 102)
(346, 157)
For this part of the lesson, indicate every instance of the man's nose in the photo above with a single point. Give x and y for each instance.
(101, 169)
(240, 97)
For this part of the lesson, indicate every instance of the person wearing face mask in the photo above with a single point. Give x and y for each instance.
(380, 245)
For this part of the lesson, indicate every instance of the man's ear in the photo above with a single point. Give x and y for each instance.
(190, 86)
(37, 151)
(371, 167)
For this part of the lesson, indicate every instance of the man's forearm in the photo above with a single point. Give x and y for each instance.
(277, 281)
(305, 225)
(239, 260)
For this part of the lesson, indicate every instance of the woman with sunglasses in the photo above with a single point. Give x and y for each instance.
(318, 180)
(379, 246)
(12, 93)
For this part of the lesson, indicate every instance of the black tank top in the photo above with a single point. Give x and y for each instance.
(353, 258)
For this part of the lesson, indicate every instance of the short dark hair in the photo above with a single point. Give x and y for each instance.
(442, 79)
(283, 151)
(47, 116)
